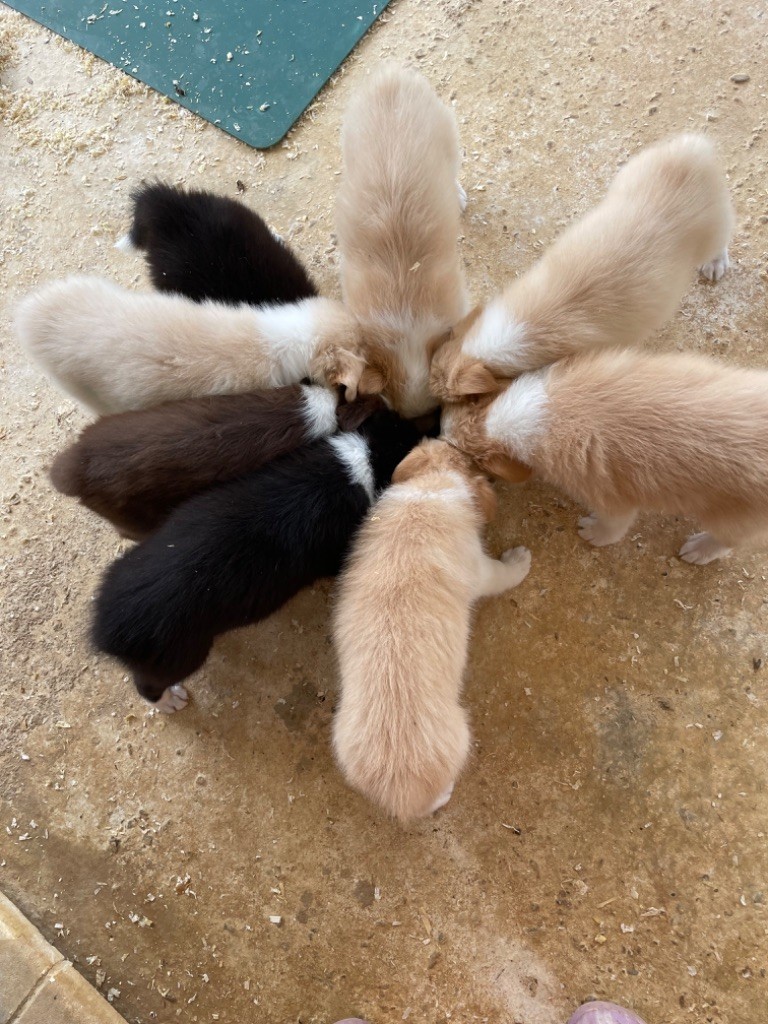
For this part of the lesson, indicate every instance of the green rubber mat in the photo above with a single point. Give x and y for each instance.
(251, 68)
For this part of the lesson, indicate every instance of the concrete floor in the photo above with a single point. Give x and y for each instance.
(610, 837)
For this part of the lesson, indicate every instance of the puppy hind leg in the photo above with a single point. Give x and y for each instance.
(496, 576)
(716, 268)
(601, 530)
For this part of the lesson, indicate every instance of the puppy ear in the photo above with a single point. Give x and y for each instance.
(372, 381)
(506, 468)
(474, 379)
(346, 372)
(486, 497)
(351, 415)
(411, 465)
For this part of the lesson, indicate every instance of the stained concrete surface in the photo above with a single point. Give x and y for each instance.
(609, 835)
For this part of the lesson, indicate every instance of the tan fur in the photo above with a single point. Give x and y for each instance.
(401, 630)
(611, 278)
(114, 350)
(623, 431)
(397, 219)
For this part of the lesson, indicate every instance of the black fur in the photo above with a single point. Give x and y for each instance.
(206, 246)
(237, 553)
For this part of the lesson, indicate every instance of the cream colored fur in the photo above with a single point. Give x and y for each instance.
(402, 626)
(625, 431)
(610, 279)
(397, 220)
(113, 349)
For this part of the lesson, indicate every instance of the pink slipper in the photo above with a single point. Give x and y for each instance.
(598, 1012)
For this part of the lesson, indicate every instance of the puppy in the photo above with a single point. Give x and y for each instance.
(402, 630)
(397, 220)
(610, 279)
(115, 350)
(623, 431)
(236, 553)
(206, 246)
(133, 468)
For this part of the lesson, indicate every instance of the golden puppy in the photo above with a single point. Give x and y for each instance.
(397, 219)
(610, 279)
(402, 630)
(114, 350)
(624, 431)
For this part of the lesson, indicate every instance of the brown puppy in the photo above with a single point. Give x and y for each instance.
(134, 468)
(624, 431)
(402, 625)
(114, 350)
(397, 219)
(610, 279)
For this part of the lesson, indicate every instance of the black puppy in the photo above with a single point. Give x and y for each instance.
(238, 552)
(206, 246)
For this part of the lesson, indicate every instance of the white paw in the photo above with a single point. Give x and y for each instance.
(442, 800)
(519, 559)
(701, 548)
(598, 532)
(462, 196)
(175, 698)
(716, 268)
(125, 244)
(276, 236)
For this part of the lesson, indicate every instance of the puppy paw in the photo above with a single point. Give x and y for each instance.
(702, 548)
(600, 532)
(462, 196)
(442, 800)
(716, 268)
(276, 236)
(518, 559)
(175, 698)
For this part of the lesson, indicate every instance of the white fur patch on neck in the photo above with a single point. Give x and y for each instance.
(352, 450)
(496, 339)
(290, 336)
(518, 417)
(319, 410)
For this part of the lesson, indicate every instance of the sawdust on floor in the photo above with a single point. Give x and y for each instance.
(609, 837)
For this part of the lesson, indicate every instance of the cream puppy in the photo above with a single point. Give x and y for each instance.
(397, 220)
(401, 630)
(611, 278)
(114, 350)
(624, 431)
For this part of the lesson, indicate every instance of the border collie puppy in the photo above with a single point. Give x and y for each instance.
(133, 468)
(402, 627)
(614, 276)
(236, 553)
(620, 432)
(114, 349)
(398, 223)
(206, 246)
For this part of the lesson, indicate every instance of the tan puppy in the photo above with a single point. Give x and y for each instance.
(397, 218)
(610, 279)
(115, 350)
(623, 431)
(402, 630)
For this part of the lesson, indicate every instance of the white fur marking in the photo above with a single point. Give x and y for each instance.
(442, 800)
(352, 450)
(701, 548)
(716, 268)
(125, 244)
(497, 338)
(319, 411)
(462, 196)
(290, 334)
(517, 417)
(175, 698)
(277, 237)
